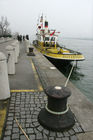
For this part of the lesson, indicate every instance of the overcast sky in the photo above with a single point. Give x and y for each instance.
(73, 18)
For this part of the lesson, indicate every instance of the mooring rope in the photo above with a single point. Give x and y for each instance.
(70, 73)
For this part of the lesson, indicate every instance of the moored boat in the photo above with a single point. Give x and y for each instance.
(47, 44)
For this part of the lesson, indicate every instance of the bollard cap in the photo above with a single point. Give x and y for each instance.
(2, 56)
(9, 48)
(58, 92)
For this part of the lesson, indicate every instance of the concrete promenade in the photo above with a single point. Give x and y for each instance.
(33, 75)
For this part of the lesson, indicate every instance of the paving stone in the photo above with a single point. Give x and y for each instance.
(7, 138)
(9, 123)
(18, 102)
(15, 136)
(15, 139)
(16, 111)
(15, 130)
(22, 112)
(30, 130)
(10, 114)
(9, 127)
(12, 111)
(39, 136)
(35, 130)
(71, 132)
(22, 137)
(11, 103)
(38, 109)
(22, 105)
(51, 138)
(46, 131)
(27, 125)
(53, 134)
(11, 107)
(60, 134)
(36, 124)
(76, 130)
(15, 125)
(40, 128)
(32, 105)
(58, 139)
(22, 120)
(17, 114)
(66, 134)
(10, 118)
(45, 136)
(27, 112)
(73, 137)
(32, 137)
(80, 129)
(34, 120)
(28, 116)
(34, 117)
(65, 138)
(23, 116)
(31, 125)
(39, 105)
(28, 120)
(8, 132)
(36, 112)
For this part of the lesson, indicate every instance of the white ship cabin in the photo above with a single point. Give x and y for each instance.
(46, 36)
(50, 41)
(47, 40)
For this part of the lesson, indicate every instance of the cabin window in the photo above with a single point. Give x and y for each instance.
(46, 24)
(46, 38)
(52, 38)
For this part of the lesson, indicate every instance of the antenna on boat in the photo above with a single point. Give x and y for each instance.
(70, 73)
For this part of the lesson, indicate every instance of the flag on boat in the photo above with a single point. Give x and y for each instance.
(52, 33)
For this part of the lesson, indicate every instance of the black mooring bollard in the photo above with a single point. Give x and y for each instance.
(56, 115)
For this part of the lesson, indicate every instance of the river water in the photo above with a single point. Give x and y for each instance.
(82, 76)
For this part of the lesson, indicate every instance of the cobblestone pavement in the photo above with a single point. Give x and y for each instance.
(25, 107)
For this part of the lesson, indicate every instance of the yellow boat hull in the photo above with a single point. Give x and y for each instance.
(68, 57)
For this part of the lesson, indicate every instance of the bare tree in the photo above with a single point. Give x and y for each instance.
(4, 25)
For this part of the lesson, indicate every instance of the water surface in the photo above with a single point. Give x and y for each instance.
(82, 76)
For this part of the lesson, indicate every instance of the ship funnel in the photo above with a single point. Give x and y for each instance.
(46, 24)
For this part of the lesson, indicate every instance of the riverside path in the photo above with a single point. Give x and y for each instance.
(33, 75)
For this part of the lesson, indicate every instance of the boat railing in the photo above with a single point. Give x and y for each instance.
(75, 52)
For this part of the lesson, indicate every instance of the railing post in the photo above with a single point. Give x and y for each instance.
(18, 49)
(16, 52)
(27, 45)
(11, 59)
(4, 82)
